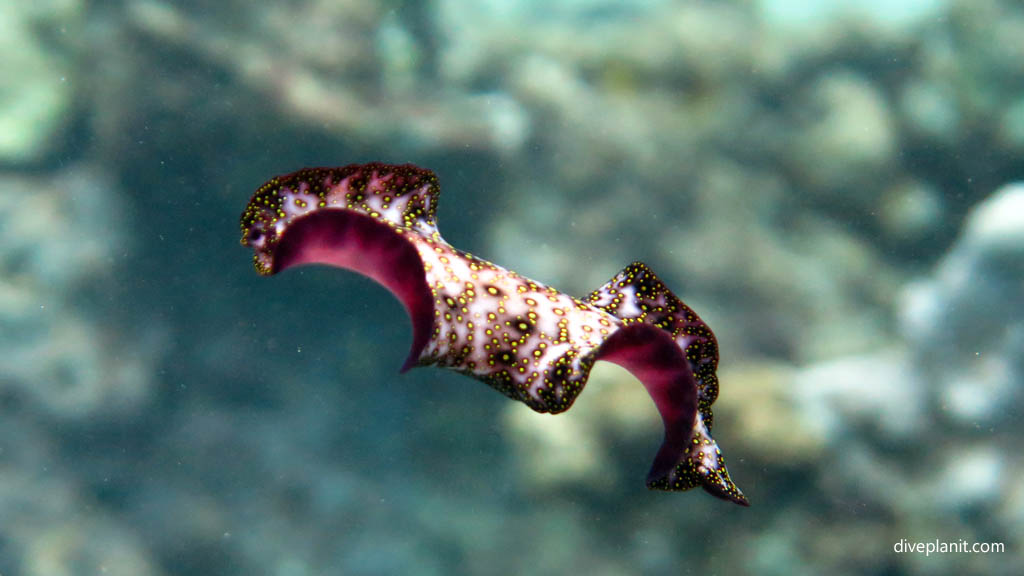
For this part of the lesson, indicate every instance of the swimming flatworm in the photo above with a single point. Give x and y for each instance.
(527, 340)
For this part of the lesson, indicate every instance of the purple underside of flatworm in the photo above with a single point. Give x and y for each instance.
(359, 243)
(527, 340)
(661, 367)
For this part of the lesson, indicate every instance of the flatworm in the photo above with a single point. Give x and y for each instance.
(527, 340)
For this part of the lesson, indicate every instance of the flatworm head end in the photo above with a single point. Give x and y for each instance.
(361, 217)
(273, 207)
(402, 196)
(259, 234)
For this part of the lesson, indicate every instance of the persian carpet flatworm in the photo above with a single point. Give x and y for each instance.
(527, 340)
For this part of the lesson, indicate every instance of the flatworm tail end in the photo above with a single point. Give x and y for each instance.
(674, 354)
(354, 217)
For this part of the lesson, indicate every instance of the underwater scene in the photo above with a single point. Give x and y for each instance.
(511, 287)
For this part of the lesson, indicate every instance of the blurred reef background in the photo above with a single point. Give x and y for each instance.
(833, 190)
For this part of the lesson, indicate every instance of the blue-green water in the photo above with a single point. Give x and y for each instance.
(831, 190)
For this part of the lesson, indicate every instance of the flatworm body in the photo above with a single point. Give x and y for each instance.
(527, 340)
